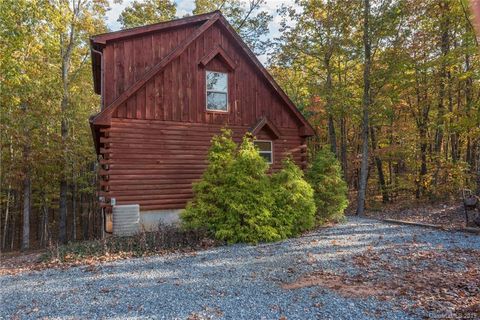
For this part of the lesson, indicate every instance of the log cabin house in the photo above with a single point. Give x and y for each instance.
(166, 89)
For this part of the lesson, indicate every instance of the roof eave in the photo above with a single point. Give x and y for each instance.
(103, 38)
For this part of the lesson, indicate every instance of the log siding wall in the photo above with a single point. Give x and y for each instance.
(153, 163)
(157, 141)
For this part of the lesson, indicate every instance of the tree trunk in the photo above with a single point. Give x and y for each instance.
(328, 90)
(331, 134)
(62, 236)
(445, 48)
(27, 189)
(12, 240)
(470, 150)
(74, 210)
(478, 167)
(343, 147)
(366, 105)
(7, 213)
(379, 165)
(66, 52)
(45, 227)
(423, 160)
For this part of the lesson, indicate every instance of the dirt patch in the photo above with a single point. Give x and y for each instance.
(437, 280)
(346, 287)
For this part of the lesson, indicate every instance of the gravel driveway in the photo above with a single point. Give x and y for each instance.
(233, 282)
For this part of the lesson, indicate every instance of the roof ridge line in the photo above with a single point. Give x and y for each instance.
(102, 38)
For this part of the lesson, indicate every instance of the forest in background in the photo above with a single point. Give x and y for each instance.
(423, 96)
(393, 86)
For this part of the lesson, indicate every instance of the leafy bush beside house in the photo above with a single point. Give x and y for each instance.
(236, 201)
(248, 200)
(232, 200)
(294, 205)
(330, 190)
(208, 205)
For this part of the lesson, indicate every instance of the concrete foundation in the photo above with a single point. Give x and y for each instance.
(149, 220)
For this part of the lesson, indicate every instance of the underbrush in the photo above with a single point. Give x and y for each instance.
(167, 238)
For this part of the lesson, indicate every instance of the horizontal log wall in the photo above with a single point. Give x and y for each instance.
(157, 142)
(153, 163)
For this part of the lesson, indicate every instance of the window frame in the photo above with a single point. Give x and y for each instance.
(270, 152)
(215, 91)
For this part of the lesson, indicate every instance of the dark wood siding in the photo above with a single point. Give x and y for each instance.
(184, 77)
(158, 139)
(153, 163)
(127, 60)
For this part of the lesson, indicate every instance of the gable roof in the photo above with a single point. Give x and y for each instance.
(218, 51)
(262, 123)
(97, 43)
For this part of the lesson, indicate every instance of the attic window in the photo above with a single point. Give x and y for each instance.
(265, 148)
(217, 91)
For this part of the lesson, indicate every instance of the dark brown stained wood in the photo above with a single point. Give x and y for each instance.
(218, 51)
(265, 123)
(213, 36)
(156, 162)
(154, 131)
(103, 116)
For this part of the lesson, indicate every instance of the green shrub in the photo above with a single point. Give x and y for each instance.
(236, 201)
(247, 199)
(294, 205)
(232, 200)
(330, 190)
(208, 204)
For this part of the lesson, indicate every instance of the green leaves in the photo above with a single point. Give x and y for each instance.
(140, 13)
(325, 177)
(238, 202)
(33, 41)
(294, 205)
(246, 17)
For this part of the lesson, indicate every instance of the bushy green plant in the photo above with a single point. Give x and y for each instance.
(330, 190)
(294, 205)
(233, 200)
(247, 199)
(209, 200)
(236, 201)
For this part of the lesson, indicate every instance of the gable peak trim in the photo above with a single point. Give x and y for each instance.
(262, 123)
(218, 51)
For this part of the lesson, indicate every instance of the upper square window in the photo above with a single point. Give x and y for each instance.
(217, 91)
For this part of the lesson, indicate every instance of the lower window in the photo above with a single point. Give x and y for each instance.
(265, 148)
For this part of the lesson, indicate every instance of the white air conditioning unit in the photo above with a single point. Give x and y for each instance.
(126, 220)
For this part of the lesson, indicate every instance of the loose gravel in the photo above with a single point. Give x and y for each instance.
(231, 282)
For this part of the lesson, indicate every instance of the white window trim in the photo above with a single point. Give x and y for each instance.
(214, 91)
(267, 152)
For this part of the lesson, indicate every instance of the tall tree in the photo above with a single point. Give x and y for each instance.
(23, 75)
(322, 36)
(27, 187)
(78, 19)
(147, 12)
(362, 186)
